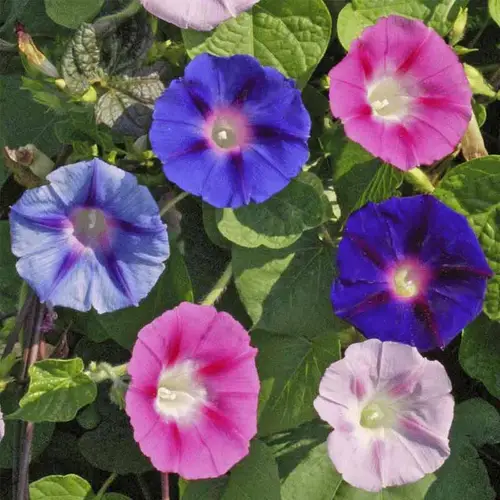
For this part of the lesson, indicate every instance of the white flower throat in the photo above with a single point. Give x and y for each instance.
(388, 99)
(180, 394)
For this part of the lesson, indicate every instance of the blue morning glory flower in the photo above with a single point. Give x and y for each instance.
(411, 270)
(231, 131)
(92, 237)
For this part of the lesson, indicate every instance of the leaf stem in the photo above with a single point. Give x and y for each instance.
(419, 180)
(171, 203)
(219, 288)
(106, 485)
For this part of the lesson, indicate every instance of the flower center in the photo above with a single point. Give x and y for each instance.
(377, 414)
(224, 134)
(409, 280)
(88, 225)
(227, 130)
(388, 99)
(180, 395)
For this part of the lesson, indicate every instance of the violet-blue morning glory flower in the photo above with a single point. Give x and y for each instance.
(411, 270)
(231, 131)
(92, 237)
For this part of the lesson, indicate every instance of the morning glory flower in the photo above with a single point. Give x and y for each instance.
(92, 237)
(402, 93)
(201, 15)
(410, 270)
(391, 410)
(193, 396)
(231, 131)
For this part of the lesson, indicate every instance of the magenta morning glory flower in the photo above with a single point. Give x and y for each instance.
(402, 93)
(391, 410)
(192, 400)
(231, 131)
(410, 270)
(92, 237)
(202, 15)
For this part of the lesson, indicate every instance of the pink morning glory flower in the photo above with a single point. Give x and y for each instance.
(192, 400)
(402, 93)
(391, 410)
(201, 15)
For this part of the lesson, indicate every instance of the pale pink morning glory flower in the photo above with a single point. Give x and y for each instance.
(192, 400)
(201, 15)
(391, 410)
(402, 93)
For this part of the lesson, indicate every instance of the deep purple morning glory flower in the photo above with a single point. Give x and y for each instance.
(92, 237)
(231, 131)
(411, 270)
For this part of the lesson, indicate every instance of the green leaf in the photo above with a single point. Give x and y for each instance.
(438, 14)
(127, 107)
(173, 287)
(477, 82)
(278, 222)
(350, 25)
(256, 476)
(494, 9)
(81, 62)
(464, 475)
(23, 121)
(209, 489)
(58, 389)
(290, 369)
(70, 487)
(289, 35)
(42, 434)
(473, 189)
(10, 282)
(480, 353)
(358, 176)
(111, 446)
(72, 13)
(287, 291)
(412, 491)
(314, 477)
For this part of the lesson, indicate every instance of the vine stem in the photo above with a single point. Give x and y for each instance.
(106, 485)
(214, 295)
(171, 204)
(108, 23)
(419, 180)
(165, 488)
(31, 348)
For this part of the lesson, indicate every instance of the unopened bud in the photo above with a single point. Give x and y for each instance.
(458, 29)
(34, 56)
(473, 142)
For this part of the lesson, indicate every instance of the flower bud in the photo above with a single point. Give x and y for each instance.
(35, 58)
(458, 29)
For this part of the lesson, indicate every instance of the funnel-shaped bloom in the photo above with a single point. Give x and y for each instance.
(201, 15)
(231, 131)
(391, 410)
(402, 93)
(92, 237)
(410, 270)
(192, 400)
